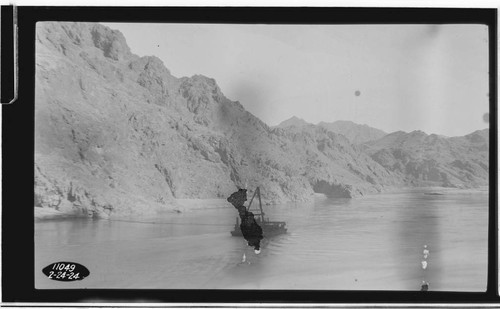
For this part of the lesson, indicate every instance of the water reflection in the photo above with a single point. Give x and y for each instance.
(375, 242)
(418, 226)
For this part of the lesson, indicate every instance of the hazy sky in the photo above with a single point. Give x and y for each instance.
(432, 78)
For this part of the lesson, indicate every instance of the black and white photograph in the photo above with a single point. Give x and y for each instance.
(261, 156)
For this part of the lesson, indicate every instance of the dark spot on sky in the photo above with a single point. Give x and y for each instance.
(357, 93)
(486, 117)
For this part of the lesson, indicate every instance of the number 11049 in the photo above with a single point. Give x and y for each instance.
(63, 266)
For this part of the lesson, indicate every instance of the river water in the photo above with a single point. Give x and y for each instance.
(369, 243)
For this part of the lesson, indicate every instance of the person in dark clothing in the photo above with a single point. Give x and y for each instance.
(251, 231)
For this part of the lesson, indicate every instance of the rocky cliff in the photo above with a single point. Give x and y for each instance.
(293, 122)
(117, 133)
(422, 159)
(356, 133)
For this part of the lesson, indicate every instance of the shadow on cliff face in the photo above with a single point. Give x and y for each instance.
(262, 157)
(331, 190)
(244, 134)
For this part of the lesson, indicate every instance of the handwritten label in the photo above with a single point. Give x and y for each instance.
(66, 271)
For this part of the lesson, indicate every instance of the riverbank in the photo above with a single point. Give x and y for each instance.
(178, 206)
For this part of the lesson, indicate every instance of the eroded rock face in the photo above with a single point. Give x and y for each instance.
(118, 134)
(356, 133)
(432, 160)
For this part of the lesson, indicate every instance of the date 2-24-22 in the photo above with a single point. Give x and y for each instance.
(66, 271)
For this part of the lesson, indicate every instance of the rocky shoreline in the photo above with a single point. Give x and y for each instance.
(187, 205)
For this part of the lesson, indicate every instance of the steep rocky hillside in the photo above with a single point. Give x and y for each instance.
(294, 121)
(118, 134)
(423, 159)
(356, 133)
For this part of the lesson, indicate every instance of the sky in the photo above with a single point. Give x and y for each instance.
(432, 78)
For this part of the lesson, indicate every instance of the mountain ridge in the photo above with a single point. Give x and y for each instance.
(434, 160)
(356, 133)
(117, 134)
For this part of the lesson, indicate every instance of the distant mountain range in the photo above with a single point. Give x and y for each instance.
(116, 133)
(293, 122)
(434, 160)
(356, 133)
(417, 158)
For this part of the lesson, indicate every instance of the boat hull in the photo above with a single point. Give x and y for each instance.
(268, 229)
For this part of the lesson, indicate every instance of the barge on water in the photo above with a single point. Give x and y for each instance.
(269, 228)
